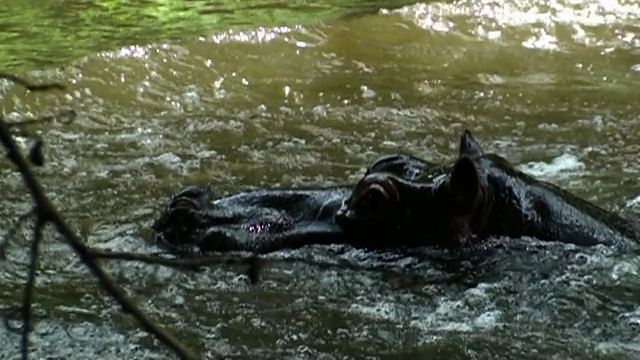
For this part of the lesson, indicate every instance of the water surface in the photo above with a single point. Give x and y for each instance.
(244, 95)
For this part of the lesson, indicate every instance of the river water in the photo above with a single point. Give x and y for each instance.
(239, 95)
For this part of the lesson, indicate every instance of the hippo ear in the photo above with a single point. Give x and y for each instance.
(469, 146)
(464, 186)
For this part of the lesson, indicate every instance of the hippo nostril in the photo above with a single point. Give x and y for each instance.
(374, 197)
(390, 189)
(377, 190)
(380, 193)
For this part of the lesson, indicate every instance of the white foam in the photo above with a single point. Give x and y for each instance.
(561, 164)
(633, 202)
(505, 20)
(378, 311)
(520, 13)
(608, 347)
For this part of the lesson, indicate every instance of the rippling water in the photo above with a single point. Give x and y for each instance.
(293, 93)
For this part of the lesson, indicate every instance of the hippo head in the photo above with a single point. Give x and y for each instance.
(446, 208)
(382, 202)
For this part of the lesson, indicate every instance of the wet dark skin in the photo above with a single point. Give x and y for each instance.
(260, 221)
(402, 201)
(481, 196)
(486, 196)
(267, 220)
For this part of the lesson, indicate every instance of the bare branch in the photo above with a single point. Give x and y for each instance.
(188, 264)
(28, 289)
(46, 212)
(252, 260)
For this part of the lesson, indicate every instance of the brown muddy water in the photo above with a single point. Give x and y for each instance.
(239, 95)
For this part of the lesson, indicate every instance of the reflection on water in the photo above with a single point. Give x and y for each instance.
(55, 33)
(218, 97)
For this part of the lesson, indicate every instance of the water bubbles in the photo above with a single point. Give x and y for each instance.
(319, 111)
(285, 110)
(219, 92)
(168, 159)
(489, 35)
(487, 320)
(633, 202)
(542, 41)
(396, 96)
(204, 154)
(144, 87)
(380, 311)
(578, 33)
(494, 35)
(506, 20)
(597, 122)
(191, 97)
(607, 50)
(366, 92)
(625, 270)
(178, 300)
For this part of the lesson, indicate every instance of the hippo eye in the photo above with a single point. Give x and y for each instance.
(183, 203)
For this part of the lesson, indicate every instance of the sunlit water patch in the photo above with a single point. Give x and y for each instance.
(549, 85)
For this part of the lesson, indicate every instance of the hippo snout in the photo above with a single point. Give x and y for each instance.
(183, 219)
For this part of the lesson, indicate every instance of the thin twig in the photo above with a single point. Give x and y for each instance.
(189, 264)
(253, 261)
(28, 288)
(46, 212)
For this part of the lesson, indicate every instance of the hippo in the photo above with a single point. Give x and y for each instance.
(477, 197)
(267, 220)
